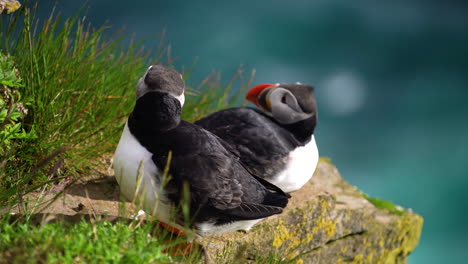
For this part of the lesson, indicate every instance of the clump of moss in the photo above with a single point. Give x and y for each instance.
(384, 204)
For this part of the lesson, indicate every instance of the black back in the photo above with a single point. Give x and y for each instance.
(263, 143)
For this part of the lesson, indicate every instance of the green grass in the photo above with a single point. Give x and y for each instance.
(78, 85)
(85, 242)
(79, 82)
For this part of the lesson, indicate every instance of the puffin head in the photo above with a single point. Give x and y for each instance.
(161, 79)
(288, 103)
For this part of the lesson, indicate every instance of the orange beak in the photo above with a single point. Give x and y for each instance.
(255, 92)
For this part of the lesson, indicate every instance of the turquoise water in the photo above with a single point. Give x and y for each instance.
(389, 79)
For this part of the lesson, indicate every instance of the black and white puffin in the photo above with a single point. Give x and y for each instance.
(223, 195)
(277, 141)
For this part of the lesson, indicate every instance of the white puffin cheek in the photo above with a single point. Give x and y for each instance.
(181, 99)
(141, 84)
(149, 68)
(141, 87)
(292, 102)
(286, 112)
(279, 110)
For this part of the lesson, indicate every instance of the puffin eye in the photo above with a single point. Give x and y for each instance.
(283, 99)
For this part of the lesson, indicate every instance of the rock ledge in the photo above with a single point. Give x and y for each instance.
(327, 221)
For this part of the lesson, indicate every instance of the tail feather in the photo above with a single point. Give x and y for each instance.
(252, 211)
(276, 199)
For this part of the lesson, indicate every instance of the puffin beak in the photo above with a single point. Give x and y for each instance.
(255, 92)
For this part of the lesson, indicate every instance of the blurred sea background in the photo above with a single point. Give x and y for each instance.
(391, 83)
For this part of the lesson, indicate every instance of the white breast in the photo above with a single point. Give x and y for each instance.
(138, 177)
(299, 169)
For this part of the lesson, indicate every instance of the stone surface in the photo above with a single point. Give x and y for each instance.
(327, 221)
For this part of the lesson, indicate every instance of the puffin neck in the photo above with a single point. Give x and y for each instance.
(154, 112)
(301, 131)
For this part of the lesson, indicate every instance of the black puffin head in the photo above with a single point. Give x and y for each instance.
(288, 103)
(161, 79)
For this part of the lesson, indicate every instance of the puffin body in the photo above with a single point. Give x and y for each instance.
(277, 141)
(206, 185)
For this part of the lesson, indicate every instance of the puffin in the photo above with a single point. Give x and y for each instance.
(181, 174)
(275, 140)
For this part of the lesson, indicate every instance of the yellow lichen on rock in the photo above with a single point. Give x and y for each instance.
(369, 258)
(281, 235)
(358, 259)
(410, 226)
(324, 222)
(9, 5)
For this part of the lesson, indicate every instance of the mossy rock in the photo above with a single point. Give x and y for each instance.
(327, 221)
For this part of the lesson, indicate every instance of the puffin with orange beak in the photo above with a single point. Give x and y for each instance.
(276, 140)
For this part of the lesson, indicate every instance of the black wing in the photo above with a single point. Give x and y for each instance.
(218, 183)
(262, 143)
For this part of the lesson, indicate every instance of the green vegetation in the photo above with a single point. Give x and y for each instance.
(67, 89)
(12, 108)
(384, 204)
(85, 242)
(79, 84)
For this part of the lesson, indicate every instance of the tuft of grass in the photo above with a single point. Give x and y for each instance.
(79, 82)
(85, 242)
(80, 86)
(212, 95)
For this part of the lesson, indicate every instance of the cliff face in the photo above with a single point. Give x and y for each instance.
(327, 221)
